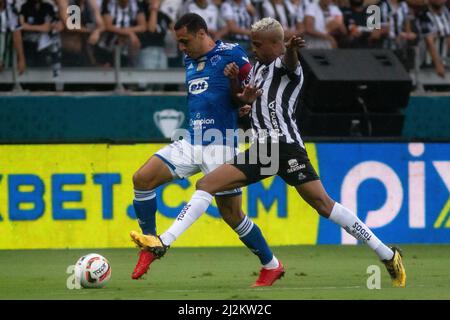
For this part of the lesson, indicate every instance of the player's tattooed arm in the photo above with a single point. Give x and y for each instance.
(290, 59)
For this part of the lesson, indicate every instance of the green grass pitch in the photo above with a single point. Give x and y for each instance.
(312, 272)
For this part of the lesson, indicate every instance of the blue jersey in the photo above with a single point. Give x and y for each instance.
(209, 97)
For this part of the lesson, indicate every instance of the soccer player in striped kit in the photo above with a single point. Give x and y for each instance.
(273, 88)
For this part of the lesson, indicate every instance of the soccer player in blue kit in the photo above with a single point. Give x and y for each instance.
(210, 108)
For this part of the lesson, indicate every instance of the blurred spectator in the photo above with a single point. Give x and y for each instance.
(77, 44)
(10, 34)
(358, 34)
(437, 40)
(238, 17)
(279, 10)
(123, 19)
(152, 55)
(323, 21)
(172, 8)
(342, 3)
(396, 29)
(36, 18)
(297, 9)
(210, 13)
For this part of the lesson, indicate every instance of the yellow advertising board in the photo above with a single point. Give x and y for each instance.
(80, 196)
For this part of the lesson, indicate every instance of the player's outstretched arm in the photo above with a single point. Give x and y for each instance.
(290, 59)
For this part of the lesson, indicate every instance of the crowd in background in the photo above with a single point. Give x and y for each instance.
(142, 29)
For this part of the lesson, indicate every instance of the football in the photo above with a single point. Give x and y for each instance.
(92, 271)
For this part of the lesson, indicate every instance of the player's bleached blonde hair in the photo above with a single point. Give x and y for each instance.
(268, 25)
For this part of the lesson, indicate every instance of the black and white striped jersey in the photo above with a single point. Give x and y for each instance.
(273, 113)
(440, 26)
(396, 16)
(123, 17)
(9, 17)
(231, 10)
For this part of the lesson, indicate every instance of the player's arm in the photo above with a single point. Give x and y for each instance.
(236, 75)
(290, 58)
(140, 26)
(18, 46)
(232, 72)
(435, 57)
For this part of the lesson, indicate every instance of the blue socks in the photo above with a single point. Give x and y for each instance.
(252, 237)
(144, 204)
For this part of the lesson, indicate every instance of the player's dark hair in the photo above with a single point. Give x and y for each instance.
(193, 23)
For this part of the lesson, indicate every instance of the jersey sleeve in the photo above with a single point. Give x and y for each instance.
(425, 25)
(335, 11)
(226, 11)
(311, 10)
(13, 21)
(292, 74)
(141, 8)
(105, 8)
(240, 58)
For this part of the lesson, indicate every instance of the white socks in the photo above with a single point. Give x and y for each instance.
(200, 201)
(273, 264)
(355, 227)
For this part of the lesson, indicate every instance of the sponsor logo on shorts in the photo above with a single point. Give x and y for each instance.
(295, 166)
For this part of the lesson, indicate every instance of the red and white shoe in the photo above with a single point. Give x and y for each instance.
(268, 276)
(145, 260)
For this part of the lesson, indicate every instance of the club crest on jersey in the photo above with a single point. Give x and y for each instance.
(198, 86)
(215, 59)
(201, 66)
(265, 72)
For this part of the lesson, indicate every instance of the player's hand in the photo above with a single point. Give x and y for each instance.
(21, 66)
(440, 70)
(409, 36)
(155, 4)
(332, 42)
(231, 71)
(134, 41)
(295, 42)
(94, 37)
(58, 26)
(249, 94)
(245, 110)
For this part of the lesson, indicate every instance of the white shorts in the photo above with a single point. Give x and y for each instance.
(185, 160)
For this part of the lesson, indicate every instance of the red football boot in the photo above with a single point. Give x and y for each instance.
(145, 260)
(268, 276)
